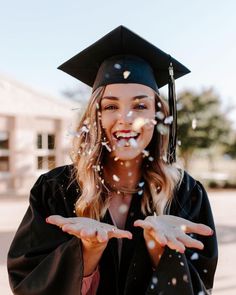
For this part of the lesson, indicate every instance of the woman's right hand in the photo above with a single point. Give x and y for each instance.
(93, 233)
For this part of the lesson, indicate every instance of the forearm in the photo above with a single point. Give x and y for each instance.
(91, 257)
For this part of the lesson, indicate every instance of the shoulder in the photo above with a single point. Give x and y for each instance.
(59, 174)
(190, 195)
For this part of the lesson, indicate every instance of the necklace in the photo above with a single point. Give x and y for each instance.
(121, 190)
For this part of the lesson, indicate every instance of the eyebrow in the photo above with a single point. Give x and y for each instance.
(142, 96)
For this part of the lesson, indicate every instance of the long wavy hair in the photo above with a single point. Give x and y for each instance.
(89, 149)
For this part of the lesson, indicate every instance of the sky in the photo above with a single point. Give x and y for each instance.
(37, 36)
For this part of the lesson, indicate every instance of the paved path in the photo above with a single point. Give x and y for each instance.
(224, 209)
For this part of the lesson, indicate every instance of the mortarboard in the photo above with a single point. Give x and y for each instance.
(122, 56)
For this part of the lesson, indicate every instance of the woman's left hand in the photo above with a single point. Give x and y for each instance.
(171, 231)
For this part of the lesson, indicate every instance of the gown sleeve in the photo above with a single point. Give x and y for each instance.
(43, 260)
(191, 273)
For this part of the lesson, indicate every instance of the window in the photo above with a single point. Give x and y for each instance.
(46, 158)
(4, 140)
(4, 151)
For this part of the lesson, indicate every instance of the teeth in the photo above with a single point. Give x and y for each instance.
(126, 135)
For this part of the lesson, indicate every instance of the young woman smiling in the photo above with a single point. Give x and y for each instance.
(122, 219)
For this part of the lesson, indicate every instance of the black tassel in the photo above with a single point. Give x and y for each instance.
(171, 152)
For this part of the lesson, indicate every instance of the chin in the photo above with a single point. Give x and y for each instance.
(127, 155)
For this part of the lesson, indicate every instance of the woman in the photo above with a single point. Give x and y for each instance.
(122, 219)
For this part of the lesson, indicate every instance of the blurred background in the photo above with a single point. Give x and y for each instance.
(39, 104)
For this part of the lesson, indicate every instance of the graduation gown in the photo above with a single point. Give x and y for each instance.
(43, 260)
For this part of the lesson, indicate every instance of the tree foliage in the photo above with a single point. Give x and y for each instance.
(202, 122)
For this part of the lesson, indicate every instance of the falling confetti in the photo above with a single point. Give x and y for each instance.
(195, 256)
(116, 178)
(140, 192)
(138, 124)
(154, 280)
(160, 115)
(117, 66)
(159, 104)
(141, 184)
(152, 287)
(162, 129)
(150, 159)
(133, 142)
(205, 270)
(106, 146)
(201, 293)
(194, 124)
(151, 244)
(123, 209)
(174, 281)
(179, 142)
(145, 153)
(126, 74)
(129, 113)
(181, 263)
(185, 278)
(168, 120)
(183, 227)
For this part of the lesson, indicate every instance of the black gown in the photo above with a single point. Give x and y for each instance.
(43, 260)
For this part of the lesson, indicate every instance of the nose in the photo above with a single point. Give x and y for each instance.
(125, 116)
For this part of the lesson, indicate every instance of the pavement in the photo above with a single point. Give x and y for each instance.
(224, 209)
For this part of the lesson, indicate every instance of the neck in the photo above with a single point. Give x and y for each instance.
(122, 173)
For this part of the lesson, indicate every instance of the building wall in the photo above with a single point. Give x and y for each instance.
(29, 150)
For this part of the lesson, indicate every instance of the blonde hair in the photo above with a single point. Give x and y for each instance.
(89, 150)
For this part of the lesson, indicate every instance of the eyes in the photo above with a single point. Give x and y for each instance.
(112, 107)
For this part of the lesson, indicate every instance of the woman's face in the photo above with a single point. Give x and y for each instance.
(128, 118)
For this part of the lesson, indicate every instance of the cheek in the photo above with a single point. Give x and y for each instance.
(106, 122)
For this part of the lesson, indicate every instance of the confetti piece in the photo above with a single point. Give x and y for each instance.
(129, 113)
(174, 281)
(151, 244)
(129, 174)
(168, 120)
(185, 278)
(116, 178)
(117, 66)
(162, 129)
(154, 280)
(138, 124)
(194, 124)
(123, 208)
(179, 142)
(159, 104)
(160, 115)
(195, 256)
(145, 153)
(126, 74)
(106, 146)
(150, 159)
(140, 192)
(133, 142)
(141, 184)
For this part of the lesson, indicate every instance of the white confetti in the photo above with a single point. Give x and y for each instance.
(185, 278)
(181, 263)
(145, 153)
(129, 114)
(106, 146)
(133, 142)
(152, 287)
(126, 74)
(183, 227)
(194, 124)
(205, 270)
(168, 120)
(84, 129)
(174, 281)
(97, 106)
(123, 208)
(201, 293)
(141, 184)
(159, 104)
(154, 280)
(162, 129)
(195, 256)
(138, 124)
(150, 159)
(179, 142)
(115, 177)
(117, 66)
(151, 244)
(129, 174)
(140, 192)
(160, 115)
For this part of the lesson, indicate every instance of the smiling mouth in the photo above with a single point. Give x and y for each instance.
(126, 135)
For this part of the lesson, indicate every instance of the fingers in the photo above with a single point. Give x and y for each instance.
(59, 220)
(144, 224)
(190, 242)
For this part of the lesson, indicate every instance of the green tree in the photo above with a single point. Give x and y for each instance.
(202, 122)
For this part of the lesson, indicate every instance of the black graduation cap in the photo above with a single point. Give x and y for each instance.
(122, 56)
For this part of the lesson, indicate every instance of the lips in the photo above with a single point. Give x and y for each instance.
(125, 134)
